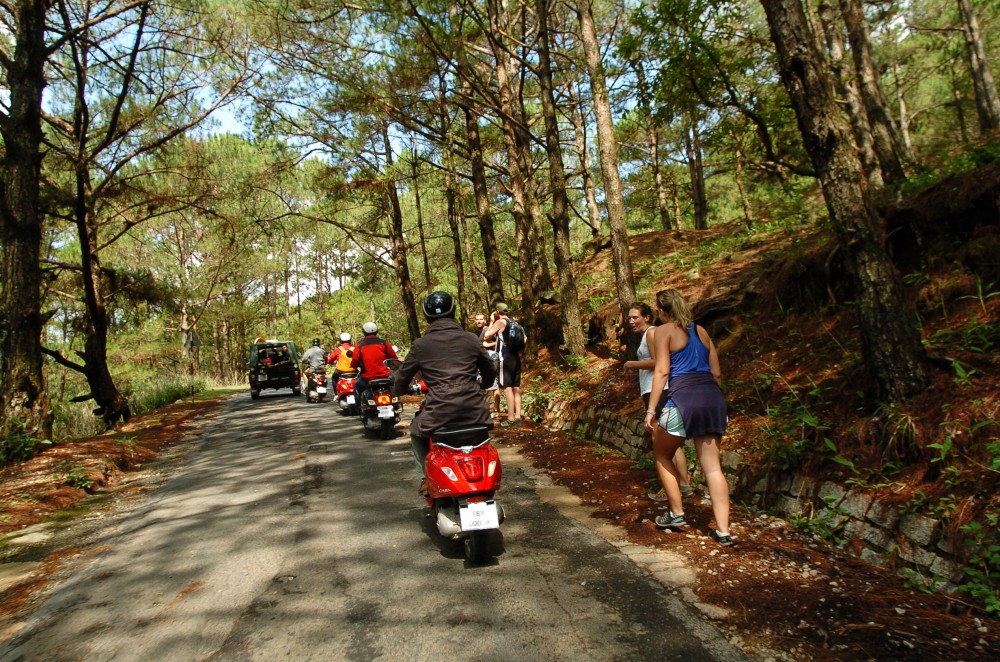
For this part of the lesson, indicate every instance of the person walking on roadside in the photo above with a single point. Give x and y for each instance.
(493, 390)
(510, 365)
(640, 318)
(686, 360)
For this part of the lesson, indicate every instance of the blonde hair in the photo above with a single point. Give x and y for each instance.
(673, 304)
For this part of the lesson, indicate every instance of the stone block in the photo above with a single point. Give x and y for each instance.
(831, 493)
(856, 504)
(784, 483)
(789, 505)
(875, 535)
(950, 570)
(883, 514)
(803, 486)
(830, 517)
(908, 551)
(760, 487)
(918, 528)
(947, 545)
(731, 460)
(853, 529)
(871, 556)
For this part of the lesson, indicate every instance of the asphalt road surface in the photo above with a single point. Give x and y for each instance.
(288, 533)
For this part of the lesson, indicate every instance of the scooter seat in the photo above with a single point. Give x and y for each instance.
(347, 375)
(461, 435)
(379, 382)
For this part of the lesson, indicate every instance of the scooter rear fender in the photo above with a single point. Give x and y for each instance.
(442, 464)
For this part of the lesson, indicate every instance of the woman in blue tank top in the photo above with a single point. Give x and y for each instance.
(687, 364)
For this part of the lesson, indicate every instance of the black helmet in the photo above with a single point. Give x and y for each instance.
(438, 305)
(315, 342)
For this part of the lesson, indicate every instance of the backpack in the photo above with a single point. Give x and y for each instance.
(514, 337)
(344, 360)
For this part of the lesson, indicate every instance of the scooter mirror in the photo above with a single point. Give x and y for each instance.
(392, 364)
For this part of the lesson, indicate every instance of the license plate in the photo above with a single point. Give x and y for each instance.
(262, 377)
(386, 411)
(321, 389)
(479, 515)
(350, 399)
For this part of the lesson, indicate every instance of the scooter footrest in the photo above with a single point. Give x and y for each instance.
(461, 435)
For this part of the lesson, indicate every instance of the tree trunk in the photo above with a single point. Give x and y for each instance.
(886, 141)
(111, 404)
(692, 141)
(420, 216)
(569, 296)
(491, 254)
(653, 140)
(987, 103)
(451, 194)
(956, 103)
(589, 190)
(399, 256)
(24, 401)
(541, 276)
(847, 86)
(613, 199)
(890, 339)
(904, 111)
(738, 178)
(518, 165)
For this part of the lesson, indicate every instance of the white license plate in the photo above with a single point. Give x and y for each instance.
(479, 515)
(386, 411)
(350, 399)
(262, 377)
(321, 389)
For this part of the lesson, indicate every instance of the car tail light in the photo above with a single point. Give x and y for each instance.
(383, 399)
(472, 468)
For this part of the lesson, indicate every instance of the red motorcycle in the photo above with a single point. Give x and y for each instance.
(345, 393)
(463, 473)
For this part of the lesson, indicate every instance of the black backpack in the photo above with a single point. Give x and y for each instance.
(514, 337)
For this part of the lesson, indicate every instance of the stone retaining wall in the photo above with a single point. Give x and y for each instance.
(878, 533)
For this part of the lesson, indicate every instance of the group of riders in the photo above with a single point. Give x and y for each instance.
(366, 359)
(453, 363)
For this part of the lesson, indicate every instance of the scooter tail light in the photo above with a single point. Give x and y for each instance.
(383, 399)
(450, 474)
(491, 469)
(472, 468)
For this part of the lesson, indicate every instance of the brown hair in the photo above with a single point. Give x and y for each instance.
(673, 304)
(643, 309)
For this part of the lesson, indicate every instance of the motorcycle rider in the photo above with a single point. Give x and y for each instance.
(454, 366)
(369, 358)
(341, 355)
(315, 356)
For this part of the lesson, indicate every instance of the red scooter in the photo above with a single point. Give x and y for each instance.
(463, 474)
(345, 393)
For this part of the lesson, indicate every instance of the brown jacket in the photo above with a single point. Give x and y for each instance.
(449, 360)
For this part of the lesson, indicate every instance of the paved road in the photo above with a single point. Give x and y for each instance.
(289, 534)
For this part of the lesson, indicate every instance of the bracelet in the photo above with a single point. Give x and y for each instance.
(651, 413)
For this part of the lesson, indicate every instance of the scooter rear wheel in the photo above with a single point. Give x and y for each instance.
(477, 547)
(385, 429)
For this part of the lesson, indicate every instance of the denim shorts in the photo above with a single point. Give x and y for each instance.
(671, 421)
